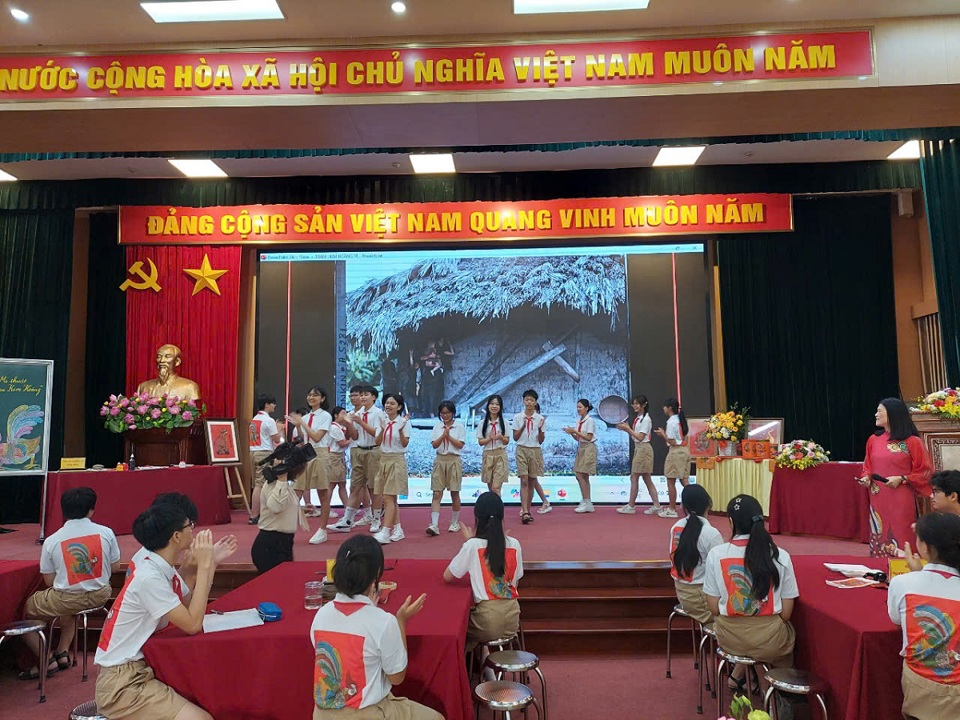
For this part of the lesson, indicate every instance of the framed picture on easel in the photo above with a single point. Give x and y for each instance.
(223, 447)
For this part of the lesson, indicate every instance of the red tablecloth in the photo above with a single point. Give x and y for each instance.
(266, 672)
(18, 580)
(121, 496)
(846, 638)
(823, 500)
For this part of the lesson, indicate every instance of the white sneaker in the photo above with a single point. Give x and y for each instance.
(383, 537)
(627, 510)
(343, 525)
(364, 519)
(375, 525)
(397, 534)
(653, 510)
(320, 536)
(313, 512)
(333, 515)
(454, 526)
(667, 513)
(585, 506)
(433, 530)
(544, 509)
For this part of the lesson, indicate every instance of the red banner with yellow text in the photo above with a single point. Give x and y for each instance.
(457, 221)
(440, 69)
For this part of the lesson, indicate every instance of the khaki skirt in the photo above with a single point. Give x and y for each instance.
(314, 475)
(766, 638)
(693, 601)
(677, 464)
(495, 470)
(447, 473)
(390, 708)
(642, 459)
(391, 475)
(586, 460)
(338, 467)
(923, 698)
(493, 619)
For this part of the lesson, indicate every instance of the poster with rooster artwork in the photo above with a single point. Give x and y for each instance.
(24, 410)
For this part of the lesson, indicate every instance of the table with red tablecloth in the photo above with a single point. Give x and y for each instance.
(846, 638)
(122, 495)
(18, 580)
(266, 671)
(822, 500)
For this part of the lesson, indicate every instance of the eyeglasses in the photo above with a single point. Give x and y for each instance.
(190, 524)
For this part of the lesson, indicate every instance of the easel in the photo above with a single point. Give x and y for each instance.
(231, 474)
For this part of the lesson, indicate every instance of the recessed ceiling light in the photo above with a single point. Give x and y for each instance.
(543, 7)
(910, 150)
(398, 7)
(198, 168)
(672, 156)
(19, 15)
(433, 163)
(212, 11)
(6, 177)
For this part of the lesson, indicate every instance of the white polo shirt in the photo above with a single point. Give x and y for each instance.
(376, 418)
(926, 605)
(643, 424)
(393, 431)
(177, 583)
(334, 437)
(80, 554)
(139, 611)
(587, 426)
(262, 429)
(319, 420)
(727, 578)
(472, 559)
(674, 431)
(356, 645)
(500, 443)
(709, 538)
(457, 432)
(530, 425)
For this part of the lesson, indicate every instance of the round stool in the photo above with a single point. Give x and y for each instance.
(794, 682)
(727, 660)
(503, 696)
(25, 627)
(87, 711)
(508, 642)
(85, 614)
(708, 641)
(678, 610)
(518, 661)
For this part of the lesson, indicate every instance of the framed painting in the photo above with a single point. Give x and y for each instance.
(222, 444)
(766, 429)
(700, 445)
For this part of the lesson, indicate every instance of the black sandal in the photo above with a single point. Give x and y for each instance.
(526, 518)
(31, 674)
(253, 520)
(737, 686)
(62, 659)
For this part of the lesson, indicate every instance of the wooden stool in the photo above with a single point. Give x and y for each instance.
(678, 610)
(87, 711)
(793, 682)
(518, 661)
(727, 660)
(25, 627)
(503, 696)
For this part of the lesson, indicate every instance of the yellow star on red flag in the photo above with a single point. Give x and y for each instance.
(205, 276)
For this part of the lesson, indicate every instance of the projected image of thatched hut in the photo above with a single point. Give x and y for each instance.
(556, 324)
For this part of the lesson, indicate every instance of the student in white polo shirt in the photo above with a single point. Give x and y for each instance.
(529, 427)
(926, 604)
(264, 438)
(392, 474)
(367, 421)
(447, 438)
(691, 540)
(126, 685)
(76, 563)
(360, 651)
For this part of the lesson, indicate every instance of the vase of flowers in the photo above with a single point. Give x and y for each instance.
(728, 428)
(142, 412)
(944, 403)
(801, 454)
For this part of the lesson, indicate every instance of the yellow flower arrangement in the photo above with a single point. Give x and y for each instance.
(730, 425)
(943, 402)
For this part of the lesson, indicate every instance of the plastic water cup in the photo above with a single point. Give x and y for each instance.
(386, 587)
(312, 595)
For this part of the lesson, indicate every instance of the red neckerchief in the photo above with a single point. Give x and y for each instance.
(943, 573)
(740, 543)
(310, 421)
(388, 432)
(348, 608)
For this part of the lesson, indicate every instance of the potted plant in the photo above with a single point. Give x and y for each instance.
(728, 428)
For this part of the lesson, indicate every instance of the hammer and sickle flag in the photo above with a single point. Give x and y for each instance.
(148, 280)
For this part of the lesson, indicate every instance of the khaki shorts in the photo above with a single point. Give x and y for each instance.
(767, 638)
(338, 467)
(365, 464)
(494, 470)
(392, 476)
(693, 601)
(51, 603)
(529, 461)
(132, 688)
(390, 708)
(677, 464)
(586, 460)
(642, 459)
(257, 470)
(924, 698)
(493, 619)
(447, 473)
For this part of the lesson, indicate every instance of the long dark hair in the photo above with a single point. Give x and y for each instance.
(317, 390)
(488, 511)
(696, 501)
(941, 531)
(486, 416)
(761, 553)
(642, 401)
(359, 564)
(674, 405)
(898, 416)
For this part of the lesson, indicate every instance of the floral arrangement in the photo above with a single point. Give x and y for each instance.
(801, 454)
(742, 709)
(728, 426)
(943, 402)
(142, 412)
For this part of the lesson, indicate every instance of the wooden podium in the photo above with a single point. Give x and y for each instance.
(942, 438)
(160, 448)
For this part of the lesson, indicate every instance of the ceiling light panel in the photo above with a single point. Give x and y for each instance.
(548, 7)
(433, 163)
(676, 156)
(910, 150)
(198, 168)
(19, 15)
(212, 11)
(6, 177)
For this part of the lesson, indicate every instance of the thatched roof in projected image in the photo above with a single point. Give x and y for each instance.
(484, 289)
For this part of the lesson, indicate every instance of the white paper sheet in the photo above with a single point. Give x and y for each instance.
(233, 620)
(849, 570)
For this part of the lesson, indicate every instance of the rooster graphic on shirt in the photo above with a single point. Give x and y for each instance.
(739, 584)
(339, 675)
(933, 643)
(82, 558)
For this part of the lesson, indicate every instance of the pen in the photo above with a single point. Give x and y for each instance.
(216, 612)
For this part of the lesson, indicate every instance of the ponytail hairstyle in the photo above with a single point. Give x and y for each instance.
(761, 553)
(399, 398)
(537, 407)
(488, 512)
(586, 403)
(359, 565)
(317, 390)
(486, 417)
(941, 532)
(642, 401)
(696, 502)
(674, 405)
